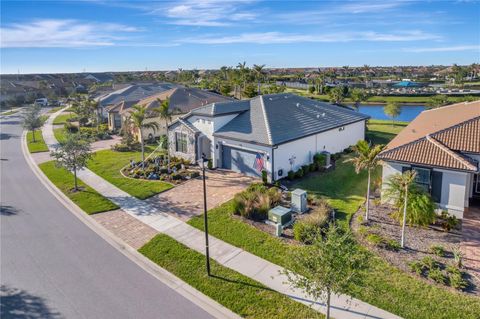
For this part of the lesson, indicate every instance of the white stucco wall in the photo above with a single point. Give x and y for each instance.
(455, 187)
(302, 150)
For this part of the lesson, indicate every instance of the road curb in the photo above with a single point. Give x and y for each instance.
(198, 298)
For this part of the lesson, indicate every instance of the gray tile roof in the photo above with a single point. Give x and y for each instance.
(135, 92)
(278, 118)
(219, 108)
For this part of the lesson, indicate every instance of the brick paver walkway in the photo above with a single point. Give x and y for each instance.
(471, 240)
(186, 200)
(128, 228)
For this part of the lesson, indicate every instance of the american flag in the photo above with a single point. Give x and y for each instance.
(258, 163)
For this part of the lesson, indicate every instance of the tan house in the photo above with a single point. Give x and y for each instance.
(182, 100)
(443, 146)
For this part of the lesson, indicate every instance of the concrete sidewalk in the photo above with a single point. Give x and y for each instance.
(229, 256)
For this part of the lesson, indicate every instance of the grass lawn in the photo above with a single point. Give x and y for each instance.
(385, 286)
(108, 163)
(39, 144)
(9, 112)
(60, 134)
(87, 198)
(381, 131)
(55, 109)
(62, 118)
(239, 293)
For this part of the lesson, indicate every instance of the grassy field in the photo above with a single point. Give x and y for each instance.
(381, 132)
(55, 109)
(239, 293)
(60, 134)
(62, 118)
(400, 293)
(39, 144)
(9, 112)
(87, 198)
(108, 163)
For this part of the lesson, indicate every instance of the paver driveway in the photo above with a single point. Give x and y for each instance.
(186, 200)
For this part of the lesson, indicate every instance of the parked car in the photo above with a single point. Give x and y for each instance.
(41, 102)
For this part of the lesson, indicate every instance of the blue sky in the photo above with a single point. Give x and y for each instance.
(95, 35)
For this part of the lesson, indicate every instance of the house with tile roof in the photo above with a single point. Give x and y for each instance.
(276, 133)
(443, 146)
(181, 101)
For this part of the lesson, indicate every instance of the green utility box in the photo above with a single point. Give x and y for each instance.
(280, 215)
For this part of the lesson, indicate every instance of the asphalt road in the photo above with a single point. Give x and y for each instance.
(53, 266)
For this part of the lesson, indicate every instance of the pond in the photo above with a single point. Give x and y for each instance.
(407, 113)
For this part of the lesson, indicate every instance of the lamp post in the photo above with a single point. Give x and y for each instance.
(207, 253)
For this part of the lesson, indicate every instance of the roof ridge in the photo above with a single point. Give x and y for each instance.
(450, 105)
(445, 149)
(267, 124)
(456, 125)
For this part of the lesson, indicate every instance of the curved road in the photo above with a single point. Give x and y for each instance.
(54, 266)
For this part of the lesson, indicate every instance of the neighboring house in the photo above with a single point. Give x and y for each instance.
(276, 133)
(132, 93)
(182, 100)
(99, 77)
(443, 146)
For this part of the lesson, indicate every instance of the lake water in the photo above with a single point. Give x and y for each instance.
(407, 113)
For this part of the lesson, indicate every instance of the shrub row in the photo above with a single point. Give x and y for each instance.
(255, 202)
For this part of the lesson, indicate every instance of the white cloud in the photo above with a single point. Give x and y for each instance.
(209, 13)
(62, 33)
(445, 49)
(371, 6)
(279, 37)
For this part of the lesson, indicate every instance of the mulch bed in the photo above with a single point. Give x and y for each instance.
(418, 241)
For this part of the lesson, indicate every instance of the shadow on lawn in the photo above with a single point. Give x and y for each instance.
(239, 282)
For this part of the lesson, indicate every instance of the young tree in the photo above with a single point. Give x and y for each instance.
(250, 91)
(337, 94)
(138, 119)
(73, 154)
(329, 266)
(437, 101)
(165, 114)
(392, 110)
(365, 159)
(32, 120)
(358, 96)
(414, 205)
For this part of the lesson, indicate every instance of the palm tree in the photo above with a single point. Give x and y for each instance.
(138, 117)
(243, 74)
(400, 183)
(164, 113)
(259, 73)
(366, 159)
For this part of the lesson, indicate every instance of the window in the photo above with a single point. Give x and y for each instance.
(181, 142)
(423, 178)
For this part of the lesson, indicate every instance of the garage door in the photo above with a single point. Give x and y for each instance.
(240, 161)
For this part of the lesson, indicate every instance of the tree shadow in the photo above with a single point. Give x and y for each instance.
(239, 282)
(7, 136)
(7, 210)
(19, 304)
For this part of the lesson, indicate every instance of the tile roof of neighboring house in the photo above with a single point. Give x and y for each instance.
(278, 118)
(216, 109)
(446, 133)
(435, 120)
(119, 107)
(134, 92)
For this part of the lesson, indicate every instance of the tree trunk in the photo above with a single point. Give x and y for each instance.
(328, 303)
(259, 87)
(404, 217)
(75, 178)
(168, 151)
(33, 136)
(143, 148)
(367, 207)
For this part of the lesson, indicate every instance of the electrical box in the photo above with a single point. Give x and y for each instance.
(299, 201)
(280, 215)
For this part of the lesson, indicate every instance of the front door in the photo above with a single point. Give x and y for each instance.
(476, 186)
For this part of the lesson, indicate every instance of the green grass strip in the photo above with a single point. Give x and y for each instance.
(87, 198)
(39, 144)
(62, 118)
(239, 293)
(107, 164)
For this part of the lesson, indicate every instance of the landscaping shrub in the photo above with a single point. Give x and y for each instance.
(375, 239)
(320, 159)
(312, 167)
(362, 231)
(264, 177)
(210, 164)
(448, 221)
(69, 127)
(437, 250)
(305, 229)
(306, 169)
(458, 256)
(291, 175)
(299, 173)
(392, 245)
(416, 266)
(255, 202)
(429, 263)
(457, 281)
(437, 275)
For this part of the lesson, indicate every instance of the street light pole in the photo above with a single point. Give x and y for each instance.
(207, 253)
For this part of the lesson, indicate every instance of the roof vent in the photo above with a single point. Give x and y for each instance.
(270, 99)
(323, 114)
(318, 116)
(298, 104)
